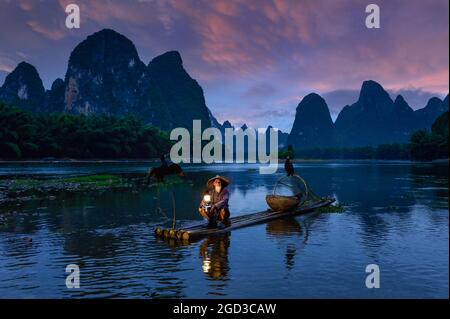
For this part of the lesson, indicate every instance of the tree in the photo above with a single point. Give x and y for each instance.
(283, 154)
(26, 135)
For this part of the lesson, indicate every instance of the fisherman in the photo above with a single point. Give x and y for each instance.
(162, 158)
(214, 205)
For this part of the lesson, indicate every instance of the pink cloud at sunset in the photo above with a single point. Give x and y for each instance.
(234, 48)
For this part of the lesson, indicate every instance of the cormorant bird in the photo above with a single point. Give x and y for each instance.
(288, 167)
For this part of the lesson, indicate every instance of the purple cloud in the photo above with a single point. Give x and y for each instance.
(262, 55)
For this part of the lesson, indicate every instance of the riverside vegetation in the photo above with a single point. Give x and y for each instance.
(25, 135)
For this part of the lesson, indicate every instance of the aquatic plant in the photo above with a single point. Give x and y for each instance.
(336, 208)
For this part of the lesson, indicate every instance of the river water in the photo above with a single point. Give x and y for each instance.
(396, 216)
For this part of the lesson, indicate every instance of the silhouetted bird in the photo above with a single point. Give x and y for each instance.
(288, 167)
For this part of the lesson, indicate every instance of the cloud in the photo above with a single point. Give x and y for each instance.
(337, 99)
(7, 63)
(259, 55)
(26, 5)
(311, 45)
(22, 55)
(274, 113)
(49, 32)
(2, 77)
(260, 90)
(416, 98)
(5, 67)
(259, 116)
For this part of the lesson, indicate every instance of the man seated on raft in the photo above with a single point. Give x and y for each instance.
(214, 205)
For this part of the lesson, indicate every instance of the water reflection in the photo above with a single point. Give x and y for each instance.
(287, 227)
(396, 214)
(214, 253)
(290, 237)
(91, 244)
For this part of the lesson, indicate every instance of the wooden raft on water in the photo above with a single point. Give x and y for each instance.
(201, 230)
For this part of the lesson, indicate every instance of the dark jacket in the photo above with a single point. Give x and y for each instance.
(220, 200)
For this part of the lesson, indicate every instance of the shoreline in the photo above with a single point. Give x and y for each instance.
(16, 190)
(96, 161)
(72, 160)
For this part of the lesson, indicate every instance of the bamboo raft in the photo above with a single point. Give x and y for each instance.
(201, 230)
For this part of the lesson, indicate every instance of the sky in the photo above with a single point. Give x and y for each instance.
(255, 59)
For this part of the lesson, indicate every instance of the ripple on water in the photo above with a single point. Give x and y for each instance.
(395, 216)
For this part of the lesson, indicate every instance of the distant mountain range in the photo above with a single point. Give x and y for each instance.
(105, 75)
(282, 137)
(372, 120)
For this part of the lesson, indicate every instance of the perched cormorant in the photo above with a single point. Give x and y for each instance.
(288, 167)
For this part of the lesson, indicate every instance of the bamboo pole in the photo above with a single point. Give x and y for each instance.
(237, 222)
(254, 220)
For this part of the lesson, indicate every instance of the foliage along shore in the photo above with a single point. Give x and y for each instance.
(67, 137)
(25, 135)
(18, 190)
(14, 190)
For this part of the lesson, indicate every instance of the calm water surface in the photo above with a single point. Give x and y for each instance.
(396, 216)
